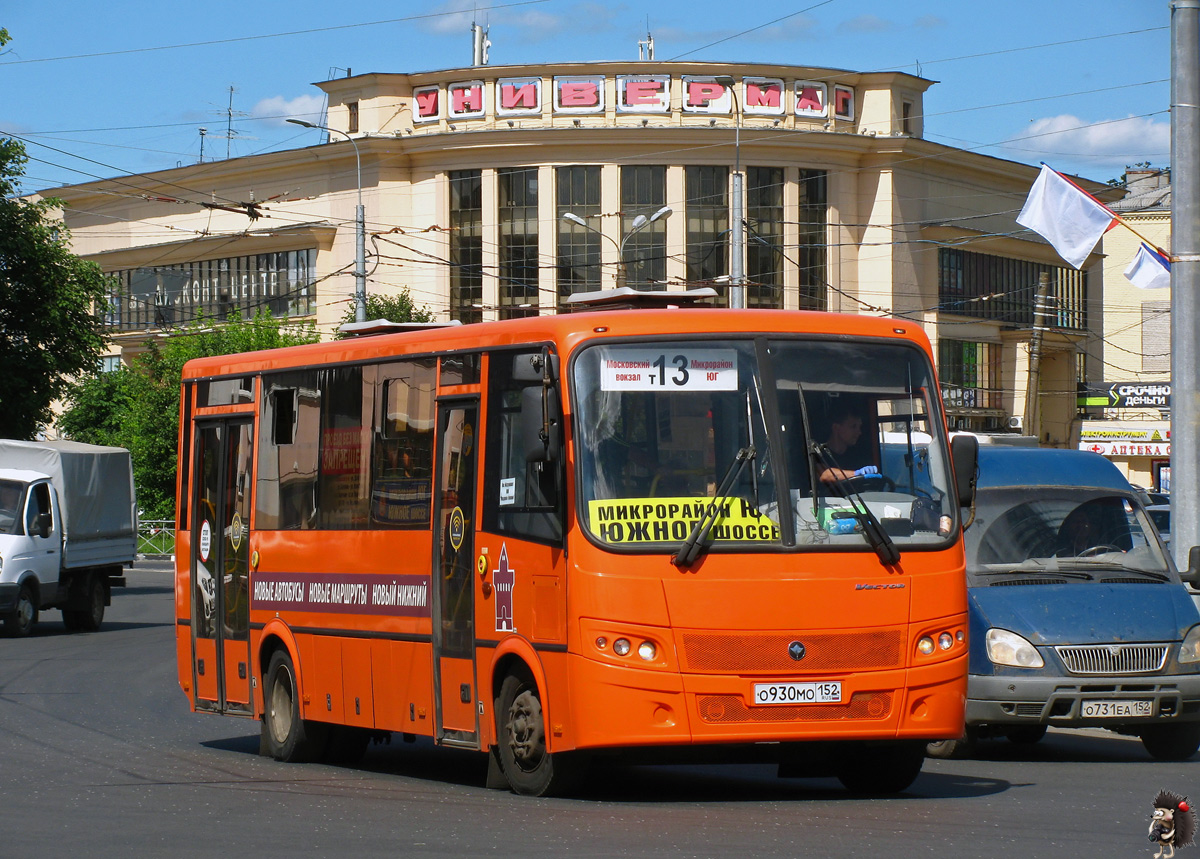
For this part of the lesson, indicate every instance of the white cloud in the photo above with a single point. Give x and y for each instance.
(1109, 143)
(867, 24)
(277, 110)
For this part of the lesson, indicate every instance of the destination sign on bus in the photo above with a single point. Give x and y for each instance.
(666, 369)
(659, 520)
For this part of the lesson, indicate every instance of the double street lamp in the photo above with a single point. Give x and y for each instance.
(639, 223)
(360, 238)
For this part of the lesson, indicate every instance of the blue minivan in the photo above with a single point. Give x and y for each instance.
(1078, 617)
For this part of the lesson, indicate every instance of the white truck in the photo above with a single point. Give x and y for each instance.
(68, 528)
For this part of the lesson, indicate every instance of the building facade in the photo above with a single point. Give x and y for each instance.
(1128, 400)
(494, 192)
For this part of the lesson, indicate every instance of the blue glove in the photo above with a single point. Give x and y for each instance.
(868, 471)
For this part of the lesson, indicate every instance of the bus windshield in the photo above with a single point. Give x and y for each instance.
(784, 443)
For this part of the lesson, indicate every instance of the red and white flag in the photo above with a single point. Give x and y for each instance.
(1065, 215)
(1149, 269)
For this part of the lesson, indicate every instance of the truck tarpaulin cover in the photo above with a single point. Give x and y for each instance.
(95, 492)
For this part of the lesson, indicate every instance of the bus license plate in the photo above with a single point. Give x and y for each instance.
(828, 692)
(1116, 709)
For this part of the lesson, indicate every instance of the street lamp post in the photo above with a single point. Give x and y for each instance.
(360, 227)
(639, 223)
(737, 277)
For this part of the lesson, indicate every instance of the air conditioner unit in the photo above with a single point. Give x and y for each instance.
(1016, 422)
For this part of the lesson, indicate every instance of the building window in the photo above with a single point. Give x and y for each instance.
(578, 255)
(171, 295)
(764, 237)
(970, 375)
(707, 201)
(813, 251)
(466, 245)
(352, 118)
(643, 192)
(1156, 336)
(110, 363)
(518, 223)
(1003, 289)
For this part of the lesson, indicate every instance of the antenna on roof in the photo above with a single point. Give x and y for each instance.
(646, 47)
(480, 43)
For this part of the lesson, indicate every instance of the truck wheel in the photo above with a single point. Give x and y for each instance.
(871, 769)
(958, 749)
(90, 618)
(1176, 742)
(19, 622)
(529, 767)
(286, 736)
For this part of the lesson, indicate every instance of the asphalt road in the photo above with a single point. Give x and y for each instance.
(100, 757)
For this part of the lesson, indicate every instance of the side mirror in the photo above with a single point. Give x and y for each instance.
(1192, 575)
(964, 455)
(43, 524)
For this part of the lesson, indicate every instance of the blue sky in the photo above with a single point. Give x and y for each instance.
(1080, 84)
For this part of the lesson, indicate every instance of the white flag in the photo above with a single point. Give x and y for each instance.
(1064, 215)
(1148, 269)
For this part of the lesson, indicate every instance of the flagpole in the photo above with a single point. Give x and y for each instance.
(1119, 219)
(1185, 277)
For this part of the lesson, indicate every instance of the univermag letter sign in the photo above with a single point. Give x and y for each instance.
(647, 94)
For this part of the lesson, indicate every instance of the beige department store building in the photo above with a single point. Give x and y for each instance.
(466, 175)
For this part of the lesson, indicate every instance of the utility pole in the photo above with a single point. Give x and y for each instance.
(1185, 277)
(1032, 392)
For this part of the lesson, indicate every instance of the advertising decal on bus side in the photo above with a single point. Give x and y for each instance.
(347, 593)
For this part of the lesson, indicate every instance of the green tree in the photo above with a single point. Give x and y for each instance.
(50, 303)
(394, 308)
(138, 408)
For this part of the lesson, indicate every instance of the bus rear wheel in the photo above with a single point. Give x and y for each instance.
(880, 769)
(286, 736)
(529, 767)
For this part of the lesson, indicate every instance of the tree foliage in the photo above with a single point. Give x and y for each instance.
(138, 407)
(394, 308)
(50, 328)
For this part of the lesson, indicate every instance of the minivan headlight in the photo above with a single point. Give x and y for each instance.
(1008, 648)
(1189, 651)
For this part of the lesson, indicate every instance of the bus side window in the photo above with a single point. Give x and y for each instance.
(520, 497)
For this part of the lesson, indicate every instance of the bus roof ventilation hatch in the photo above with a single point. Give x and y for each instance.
(627, 298)
(386, 326)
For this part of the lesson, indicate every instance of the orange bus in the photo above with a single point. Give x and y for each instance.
(631, 532)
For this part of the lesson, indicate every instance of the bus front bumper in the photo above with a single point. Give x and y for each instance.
(621, 706)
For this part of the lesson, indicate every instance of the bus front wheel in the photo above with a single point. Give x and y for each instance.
(527, 764)
(286, 736)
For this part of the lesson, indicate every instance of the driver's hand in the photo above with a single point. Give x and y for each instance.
(868, 471)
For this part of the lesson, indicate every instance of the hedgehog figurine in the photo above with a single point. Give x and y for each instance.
(1172, 825)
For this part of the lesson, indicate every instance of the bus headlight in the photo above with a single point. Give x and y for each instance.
(1189, 651)
(647, 651)
(621, 646)
(1008, 648)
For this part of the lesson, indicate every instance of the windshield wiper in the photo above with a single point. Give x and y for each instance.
(880, 540)
(699, 537)
(1038, 571)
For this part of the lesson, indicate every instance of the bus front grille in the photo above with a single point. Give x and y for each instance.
(723, 709)
(768, 653)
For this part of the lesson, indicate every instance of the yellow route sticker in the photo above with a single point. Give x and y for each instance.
(628, 521)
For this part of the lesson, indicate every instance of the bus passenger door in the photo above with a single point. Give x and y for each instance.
(454, 681)
(220, 566)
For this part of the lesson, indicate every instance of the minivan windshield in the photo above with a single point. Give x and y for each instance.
(1089, 533)
(784, 443)
(10, 506)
